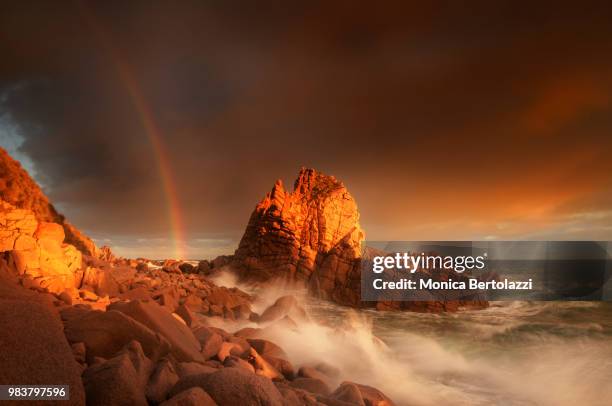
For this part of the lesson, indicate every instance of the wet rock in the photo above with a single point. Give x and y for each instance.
(267, 348)
(371, 396)
(283, 366)
(311, 385)
(311, 372)
(248, 332)
(286, 306)
(294, 396)
(242, 343)
(262, 366)
(348, 392)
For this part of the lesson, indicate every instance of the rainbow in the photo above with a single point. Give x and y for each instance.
(152, 131)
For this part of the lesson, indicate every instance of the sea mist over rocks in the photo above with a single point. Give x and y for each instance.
(513, 353)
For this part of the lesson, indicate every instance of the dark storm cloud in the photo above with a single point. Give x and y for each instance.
(490, 119)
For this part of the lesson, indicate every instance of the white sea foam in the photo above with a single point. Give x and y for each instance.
(514, 353)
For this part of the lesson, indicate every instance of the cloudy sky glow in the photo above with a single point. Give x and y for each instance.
(453, 122)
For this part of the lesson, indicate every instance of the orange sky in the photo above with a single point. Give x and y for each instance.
(488, 121)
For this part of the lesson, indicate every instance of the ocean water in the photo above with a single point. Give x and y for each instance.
(513, 353)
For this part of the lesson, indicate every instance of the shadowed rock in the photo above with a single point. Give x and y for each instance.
(311, 385)
(185, 347)
(191, 397)
(119, 381)
(232, 386)
(33, 349)
(105, 333)
(164, 377)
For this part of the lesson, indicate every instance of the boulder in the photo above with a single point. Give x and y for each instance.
(232, 386)
(106, 333)
(185, 313)
(120, 380)
(163, 379)
(194, 368)
(263, 367)
(79, 351)
(191, 397)
(227, 297)
(169, 298)
(294, 396)
(285, 306)
(311, 372)
(348, 392)
(242, 343)
(101, 281)
(371, 396)
(248, 332)
(186, 267)
(139, 293)
(228, 349)
(283, 366)
(194, 303)
(185, 347)
(233, 361)
(33, 347)
(267, 348)
(311, 385)
(210, 341)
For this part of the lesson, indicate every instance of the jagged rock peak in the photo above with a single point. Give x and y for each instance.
(311, 235)
(311, 182)
(20, 190)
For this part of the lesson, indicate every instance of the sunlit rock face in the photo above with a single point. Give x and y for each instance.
(20, 190)
(37, 250)
(310, 235)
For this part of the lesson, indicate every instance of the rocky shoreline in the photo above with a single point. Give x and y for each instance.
(137, 332)
(149, 338)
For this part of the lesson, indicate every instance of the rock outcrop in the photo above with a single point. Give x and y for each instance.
(20, 190)
(34, 349)
(133, 332)
(310, 235)
(36, 250)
